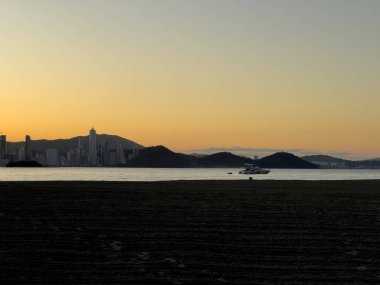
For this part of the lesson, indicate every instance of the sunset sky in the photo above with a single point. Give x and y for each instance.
(195, 74)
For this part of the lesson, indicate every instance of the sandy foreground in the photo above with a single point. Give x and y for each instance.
(187, 232)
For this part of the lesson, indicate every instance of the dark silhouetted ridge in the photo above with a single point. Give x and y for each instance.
(332, 162)
(285, 160)
(160, 156)
(223, 159)
(324, 158)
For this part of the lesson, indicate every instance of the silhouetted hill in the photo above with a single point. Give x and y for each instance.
(223, 159)
(160, 156)
(373, 159)
(198, 155)
(365, 164)
(24, 164)
(326, 161)
(332, 162)
(64, 145)
(324, 158)
(284, 160)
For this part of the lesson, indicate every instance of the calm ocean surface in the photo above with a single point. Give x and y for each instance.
(165, 174)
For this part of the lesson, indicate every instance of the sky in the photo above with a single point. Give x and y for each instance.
(195, 75)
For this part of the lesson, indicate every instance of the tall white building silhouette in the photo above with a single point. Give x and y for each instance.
(92, 154)
(21, 154)
(28, 151)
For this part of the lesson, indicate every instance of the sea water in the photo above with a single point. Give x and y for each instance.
(168, 174)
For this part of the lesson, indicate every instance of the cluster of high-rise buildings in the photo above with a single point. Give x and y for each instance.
(3, 146)
(93, 154)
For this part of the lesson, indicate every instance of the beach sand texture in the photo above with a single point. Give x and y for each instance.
(188, 232)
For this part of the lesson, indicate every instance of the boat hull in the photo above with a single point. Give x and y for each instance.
(262, 171)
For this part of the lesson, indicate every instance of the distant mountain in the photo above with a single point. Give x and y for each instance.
(160, 156)
(199, 155)
(373, 159)
(284, 160)
(324, 158)
(365, 164)
(64, 145)
(223, 159)
(326, 161)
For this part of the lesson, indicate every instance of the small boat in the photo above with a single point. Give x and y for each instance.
(253, 169)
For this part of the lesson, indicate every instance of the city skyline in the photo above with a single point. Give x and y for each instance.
(125, 153)
(193, 75)
(98, 151)
(238, 150)
(93, 153)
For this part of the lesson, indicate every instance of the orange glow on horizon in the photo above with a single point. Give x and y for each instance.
(212, 74)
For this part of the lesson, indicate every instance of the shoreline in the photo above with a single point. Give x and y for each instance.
(253, 180)
(135, 175)
(186, 232)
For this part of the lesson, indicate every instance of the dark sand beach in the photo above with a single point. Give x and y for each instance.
(188, 232)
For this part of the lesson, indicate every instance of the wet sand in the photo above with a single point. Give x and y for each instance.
(188, 232)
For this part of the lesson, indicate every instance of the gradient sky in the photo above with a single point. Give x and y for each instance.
(194, 74)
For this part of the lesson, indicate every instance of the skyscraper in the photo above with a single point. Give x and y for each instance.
(92, 152)
(21, 154)
(52, 157)
(103, 157)
(120, 154)
(81, 152)
(81, 146)
(3, 146)
(28, 152)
